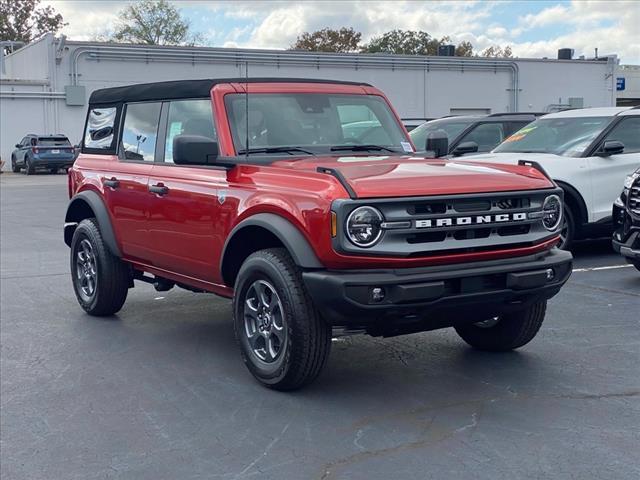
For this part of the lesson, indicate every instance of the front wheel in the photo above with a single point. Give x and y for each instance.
(568, 229)
(505, 332)
(283, 341)
(14, 167)
(100, 280)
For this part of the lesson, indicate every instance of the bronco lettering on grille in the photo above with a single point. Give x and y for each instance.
(473, 220)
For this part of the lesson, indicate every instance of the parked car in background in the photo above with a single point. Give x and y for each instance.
(50, 152)
(472, 133)
(588, 152)
(626, 220)
(413, 123)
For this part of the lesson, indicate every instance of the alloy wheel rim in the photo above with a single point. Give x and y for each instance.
(86, 269)
(264, 324)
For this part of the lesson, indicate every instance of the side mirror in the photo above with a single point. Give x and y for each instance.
(194, 150)
(438, 143)
(18, 145)
(610, 147)
(464, 148)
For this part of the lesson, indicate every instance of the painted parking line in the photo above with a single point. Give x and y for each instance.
(594, 269)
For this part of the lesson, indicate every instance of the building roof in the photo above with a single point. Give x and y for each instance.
(186, 89)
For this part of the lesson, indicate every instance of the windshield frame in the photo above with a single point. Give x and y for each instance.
(607, 122)
(238, 147)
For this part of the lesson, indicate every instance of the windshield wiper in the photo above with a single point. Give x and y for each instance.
(362, 148)
(274, 150)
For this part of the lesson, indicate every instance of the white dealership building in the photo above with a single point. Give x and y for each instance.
(44, 86)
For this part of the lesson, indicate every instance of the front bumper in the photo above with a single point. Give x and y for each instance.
(629, 245)
(428, 298)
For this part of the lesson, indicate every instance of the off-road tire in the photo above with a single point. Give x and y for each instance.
(29, 169)
(512, 331)
(14, 167)
(308, 336)
(112, 277)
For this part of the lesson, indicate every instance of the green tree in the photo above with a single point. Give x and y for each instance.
(464, 49)
(495, 51)
(329, 40)
(410, 42)
(153, 22)
(26, 20)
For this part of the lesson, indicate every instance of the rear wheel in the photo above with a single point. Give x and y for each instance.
(29, 169)
(283, 341)
(53, 170)
(100, 280)
(14, 167)
(505, 332)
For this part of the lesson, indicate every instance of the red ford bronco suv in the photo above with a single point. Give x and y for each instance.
(303, 200)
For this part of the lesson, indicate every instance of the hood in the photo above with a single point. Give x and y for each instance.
(393, 176)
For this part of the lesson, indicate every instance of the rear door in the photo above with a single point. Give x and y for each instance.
(608, 173)
(188, 210)
(126, 182)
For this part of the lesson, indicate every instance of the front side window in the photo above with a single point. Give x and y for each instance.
(317, 123)
(100, 128)
(627, 132)
(569, 137)
(486, 136)
(452, 127)
(140, 131)
(188, 117)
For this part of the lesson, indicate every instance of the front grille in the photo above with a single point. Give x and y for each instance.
(452, 224)
(634, 198)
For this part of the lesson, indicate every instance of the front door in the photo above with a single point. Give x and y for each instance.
(608, 173)
(188, 202)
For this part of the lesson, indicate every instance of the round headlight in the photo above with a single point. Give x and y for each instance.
(363, 226)
(551, 212)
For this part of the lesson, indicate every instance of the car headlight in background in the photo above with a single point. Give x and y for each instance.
(551, 212)
(364, 226)
(630, 179)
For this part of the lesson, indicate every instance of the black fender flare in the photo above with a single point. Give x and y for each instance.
(101, 214)
(570, 191)
(288, 234)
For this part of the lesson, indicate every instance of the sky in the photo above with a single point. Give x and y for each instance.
(533, 29)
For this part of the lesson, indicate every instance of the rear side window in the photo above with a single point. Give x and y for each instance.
(53, 142)
(188, 117)
(100, 128)
(140, 131)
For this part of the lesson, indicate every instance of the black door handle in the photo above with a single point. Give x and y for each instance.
(159, 189)
(112, 183)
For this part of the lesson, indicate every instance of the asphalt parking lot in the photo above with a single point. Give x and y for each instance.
(160, 392)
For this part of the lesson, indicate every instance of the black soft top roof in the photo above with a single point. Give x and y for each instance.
(185, 89)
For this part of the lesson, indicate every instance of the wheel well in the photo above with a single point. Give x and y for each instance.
(78, 211)
(575, 202)
(248, 240)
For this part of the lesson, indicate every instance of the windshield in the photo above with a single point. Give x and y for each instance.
(314, 123)
(561, 136)
(451, 126)
(53, 142)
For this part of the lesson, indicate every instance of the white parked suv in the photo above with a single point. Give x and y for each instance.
(588, 152)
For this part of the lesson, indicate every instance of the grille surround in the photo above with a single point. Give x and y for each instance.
(414, 242)
(633, 199)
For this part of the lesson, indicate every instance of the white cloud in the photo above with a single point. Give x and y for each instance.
(612, 26)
